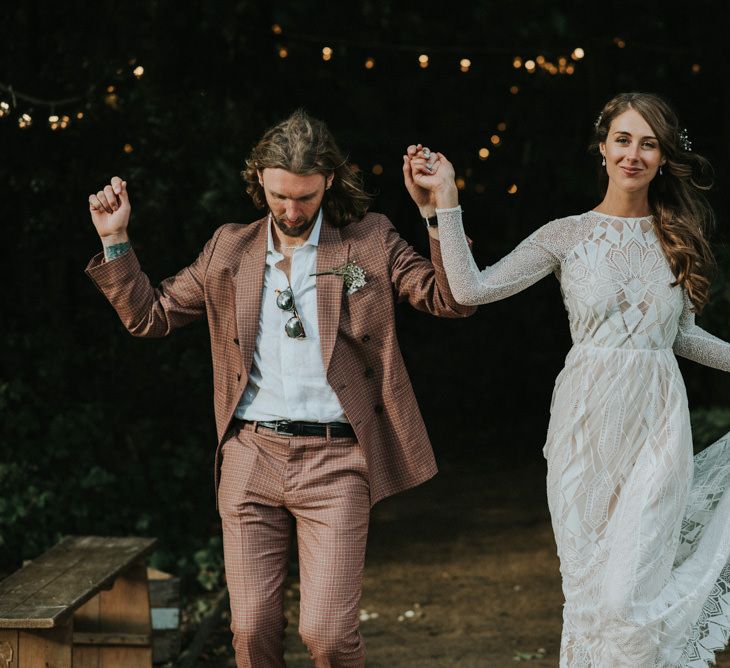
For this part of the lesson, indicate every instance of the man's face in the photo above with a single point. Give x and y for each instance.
(293, 199)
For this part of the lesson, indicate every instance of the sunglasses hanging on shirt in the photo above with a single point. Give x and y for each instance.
(285, 301)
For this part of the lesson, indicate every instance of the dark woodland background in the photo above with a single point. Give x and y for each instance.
(103, 433)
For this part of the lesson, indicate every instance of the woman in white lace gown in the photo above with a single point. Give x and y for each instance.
(642, 529)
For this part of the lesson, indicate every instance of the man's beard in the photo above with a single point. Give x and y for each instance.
(300, 226)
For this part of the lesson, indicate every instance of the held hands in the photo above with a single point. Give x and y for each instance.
(110, 210)
(429, 179)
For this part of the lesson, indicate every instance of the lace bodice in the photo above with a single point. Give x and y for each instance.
(614, 277)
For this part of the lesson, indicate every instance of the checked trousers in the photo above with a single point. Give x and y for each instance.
(271, 485)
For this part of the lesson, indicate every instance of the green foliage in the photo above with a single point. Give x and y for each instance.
(209, 561)
(709, 424)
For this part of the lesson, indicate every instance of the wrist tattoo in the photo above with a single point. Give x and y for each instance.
(111, 252)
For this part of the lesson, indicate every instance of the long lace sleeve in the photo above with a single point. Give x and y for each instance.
(533, 259)
(696, 344)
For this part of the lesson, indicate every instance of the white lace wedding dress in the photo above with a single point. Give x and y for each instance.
(642, 529)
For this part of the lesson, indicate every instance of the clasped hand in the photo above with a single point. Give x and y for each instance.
(429, 179)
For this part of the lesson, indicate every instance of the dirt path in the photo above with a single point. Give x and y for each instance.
(471, 556)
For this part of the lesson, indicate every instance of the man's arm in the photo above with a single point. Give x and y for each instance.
(144, 310)
(420, 281)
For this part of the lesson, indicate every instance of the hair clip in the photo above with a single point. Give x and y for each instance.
(684, 140)
(598, 121)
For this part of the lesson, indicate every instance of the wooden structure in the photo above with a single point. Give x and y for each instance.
(82, 604)
(165, 613)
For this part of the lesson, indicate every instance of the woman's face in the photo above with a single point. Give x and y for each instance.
(632, 152)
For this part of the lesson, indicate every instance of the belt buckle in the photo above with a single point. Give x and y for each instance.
(282, 426)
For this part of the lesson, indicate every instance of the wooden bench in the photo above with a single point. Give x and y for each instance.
(84, 603)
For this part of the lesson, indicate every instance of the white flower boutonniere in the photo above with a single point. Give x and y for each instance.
(353, 276)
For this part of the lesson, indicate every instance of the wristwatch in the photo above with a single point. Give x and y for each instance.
(431, 221)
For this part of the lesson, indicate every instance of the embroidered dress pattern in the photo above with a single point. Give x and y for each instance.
(641, 525)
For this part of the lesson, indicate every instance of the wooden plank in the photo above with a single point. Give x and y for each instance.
(43, 593)
(166, 645)
(123, 639)
(49, 648)
(8, 649)
(86, 620)
(164, 589)
(126, 609)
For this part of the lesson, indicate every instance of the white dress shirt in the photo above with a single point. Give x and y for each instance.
(287, 379)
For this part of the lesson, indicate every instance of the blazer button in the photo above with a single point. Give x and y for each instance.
(369, 373)
(235, 341)
(365, 338)
(378, 408)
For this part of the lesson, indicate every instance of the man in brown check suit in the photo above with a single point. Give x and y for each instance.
(316, 416)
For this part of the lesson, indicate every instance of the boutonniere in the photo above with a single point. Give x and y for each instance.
(353, 276)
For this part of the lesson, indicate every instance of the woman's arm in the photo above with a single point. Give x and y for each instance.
(530, 261)
(696, 344)
(535, 258)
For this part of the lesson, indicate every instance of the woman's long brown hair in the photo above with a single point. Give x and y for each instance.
(682, 215)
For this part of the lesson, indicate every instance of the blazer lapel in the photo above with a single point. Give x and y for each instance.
(331, 252)
(249, 284)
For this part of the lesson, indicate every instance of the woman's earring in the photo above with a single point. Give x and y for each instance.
(603, 162)
(661, 173)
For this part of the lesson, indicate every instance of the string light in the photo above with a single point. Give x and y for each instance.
(369, 63)
(502, 126)
(276, 29)
(128, 148)
(283, 53)
(696, 68)
(578, 54)
(619, 42)
(25, 121)
(530, 66)
(514, 90)
(138, 71)
(540, 60)
(4, 109)
(460, 182)
(517, 62)
(465, 64)
(79, 116)
(512, 189)
(423, 61)
(53, 122)
(483, 153)
(327, 53)
(110, 89)
(496, 140)
(377, 169)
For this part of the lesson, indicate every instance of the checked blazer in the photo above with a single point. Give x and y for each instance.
(360, 349)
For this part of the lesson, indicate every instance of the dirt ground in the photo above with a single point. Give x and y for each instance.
(460, 573)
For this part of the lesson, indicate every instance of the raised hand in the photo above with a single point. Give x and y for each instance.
(434, 173)
(423, 197)
(110, 210)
